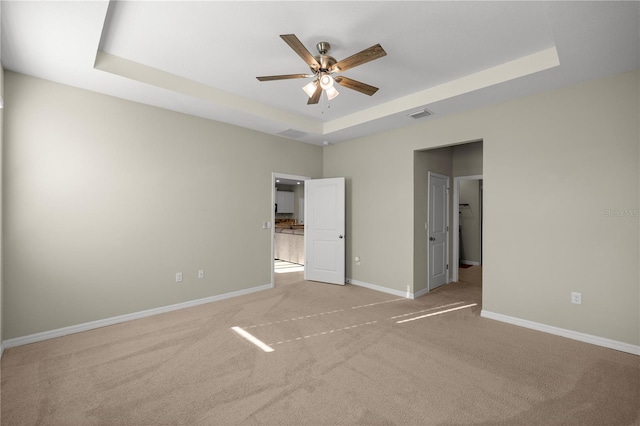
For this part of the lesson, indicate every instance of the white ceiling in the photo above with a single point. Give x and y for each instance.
(201, 58)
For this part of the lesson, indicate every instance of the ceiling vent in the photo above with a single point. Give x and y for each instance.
(419, 114)
(291, 133)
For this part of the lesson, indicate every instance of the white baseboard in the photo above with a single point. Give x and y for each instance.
(587, 338)
(420, 293)
(382, 289)
(52, 334)
(375, 287)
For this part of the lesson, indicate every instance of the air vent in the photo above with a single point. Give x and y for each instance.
(419, 114)
(291, 133)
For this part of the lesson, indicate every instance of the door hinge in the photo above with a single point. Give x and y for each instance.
(447, 229)
(447, 267)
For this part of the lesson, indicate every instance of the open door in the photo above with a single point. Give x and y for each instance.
(438, 210)
(324, 236)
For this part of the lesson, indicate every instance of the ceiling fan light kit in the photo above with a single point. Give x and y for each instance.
(323, 65)
(331, 92)
(310, 88)
(326, 81)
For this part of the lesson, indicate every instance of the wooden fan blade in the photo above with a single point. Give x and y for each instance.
(302, 51)
(356, 85)
(316, 96)
(374, 52)
(283, 77)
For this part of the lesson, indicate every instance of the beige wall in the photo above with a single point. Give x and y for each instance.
(107, 199)
(553, 165)
(467, 159)
(378, 193)
(1, 198)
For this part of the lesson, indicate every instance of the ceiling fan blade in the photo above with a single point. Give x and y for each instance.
(373, 52)
(302, 51)
(283, 77)
(316, 96)
(356, 85)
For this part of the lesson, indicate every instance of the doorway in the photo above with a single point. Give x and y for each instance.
(467, 222)
(459, 160)
(287, 219)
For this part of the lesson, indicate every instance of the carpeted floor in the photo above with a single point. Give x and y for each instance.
(343, 355)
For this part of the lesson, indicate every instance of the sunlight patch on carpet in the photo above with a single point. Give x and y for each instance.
(427, 310)
(437, 313)
(250, 337)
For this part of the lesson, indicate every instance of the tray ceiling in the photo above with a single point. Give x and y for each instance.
(201, 58)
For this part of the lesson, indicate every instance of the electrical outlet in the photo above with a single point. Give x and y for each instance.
(178, 277)
(576, 298)
(201, 273)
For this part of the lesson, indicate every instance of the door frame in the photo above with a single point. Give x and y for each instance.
(272, 224)
(448, 233)
(456, 224)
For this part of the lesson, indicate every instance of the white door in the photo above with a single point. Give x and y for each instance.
(438, 210)
(324, 238)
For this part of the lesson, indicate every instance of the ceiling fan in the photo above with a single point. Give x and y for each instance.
(323, 66)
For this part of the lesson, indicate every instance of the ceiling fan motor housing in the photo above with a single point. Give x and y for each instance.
(325, 61)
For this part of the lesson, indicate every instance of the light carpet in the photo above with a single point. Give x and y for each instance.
(343, 355)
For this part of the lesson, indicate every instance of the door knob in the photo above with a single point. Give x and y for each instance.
(431, 239)
(340, 236)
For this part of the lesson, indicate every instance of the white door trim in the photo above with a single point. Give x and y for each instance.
(456, 223)
(275, 176)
